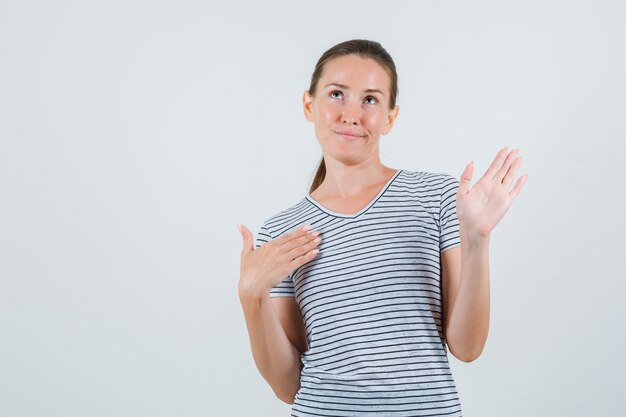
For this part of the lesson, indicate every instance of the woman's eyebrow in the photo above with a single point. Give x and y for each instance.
(345, 87)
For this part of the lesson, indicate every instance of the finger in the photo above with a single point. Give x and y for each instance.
(506, 165)
(299, 241)
(248, 243)
(301, 260)
(303, 249)
(508, 178)
(496, 164)
(295, 234)
(518, 186)
(466, 179)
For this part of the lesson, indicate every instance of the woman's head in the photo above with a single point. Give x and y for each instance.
(364, 49)
(353, 91)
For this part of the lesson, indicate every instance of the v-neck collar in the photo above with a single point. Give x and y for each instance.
(363, 210)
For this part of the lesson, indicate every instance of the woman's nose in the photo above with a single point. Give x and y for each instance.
(351, 113)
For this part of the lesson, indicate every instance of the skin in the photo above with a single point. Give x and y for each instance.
(465, 269)
(344, 102)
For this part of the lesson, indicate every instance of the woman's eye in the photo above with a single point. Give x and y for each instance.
(373, 100)
(335, 94)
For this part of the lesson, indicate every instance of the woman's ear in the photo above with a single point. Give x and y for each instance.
(391, 118)
(307, 105)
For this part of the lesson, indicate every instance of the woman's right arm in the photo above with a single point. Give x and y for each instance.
(275, 356)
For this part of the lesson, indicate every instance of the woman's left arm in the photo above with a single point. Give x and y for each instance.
(465, 269)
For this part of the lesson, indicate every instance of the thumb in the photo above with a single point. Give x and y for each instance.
(248, 244)
(466, 178)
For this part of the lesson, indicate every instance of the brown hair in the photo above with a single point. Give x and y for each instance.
(365, 49)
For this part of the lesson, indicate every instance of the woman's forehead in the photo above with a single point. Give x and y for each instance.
(355, 72)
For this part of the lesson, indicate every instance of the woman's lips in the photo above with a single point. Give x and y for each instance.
(349, 136)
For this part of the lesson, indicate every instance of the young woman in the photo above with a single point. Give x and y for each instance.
(353, 295)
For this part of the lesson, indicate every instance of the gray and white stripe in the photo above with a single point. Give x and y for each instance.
(371, 301)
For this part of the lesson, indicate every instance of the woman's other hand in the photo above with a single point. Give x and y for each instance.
(265, 267)
(480, 208)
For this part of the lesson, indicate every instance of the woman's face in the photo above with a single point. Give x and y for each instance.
(350, 109)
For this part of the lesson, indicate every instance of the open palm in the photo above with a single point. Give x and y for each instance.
(480, 208)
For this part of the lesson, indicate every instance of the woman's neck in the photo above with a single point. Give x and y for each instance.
(349, 181)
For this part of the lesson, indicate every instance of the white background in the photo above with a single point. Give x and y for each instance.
(135, 135)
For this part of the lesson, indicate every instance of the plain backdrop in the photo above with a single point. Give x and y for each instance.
(135, 135)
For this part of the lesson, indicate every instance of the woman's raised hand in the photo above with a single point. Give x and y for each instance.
(480, 209)
(265, 267)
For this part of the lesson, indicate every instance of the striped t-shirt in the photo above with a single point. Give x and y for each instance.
(371, 301)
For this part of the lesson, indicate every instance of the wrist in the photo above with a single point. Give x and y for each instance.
(474, 238)
(249, 288)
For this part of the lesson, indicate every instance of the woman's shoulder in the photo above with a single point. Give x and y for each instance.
(424, 178)
(286, 219)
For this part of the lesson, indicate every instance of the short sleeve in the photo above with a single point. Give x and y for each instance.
(284, 288)
(449, 236)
